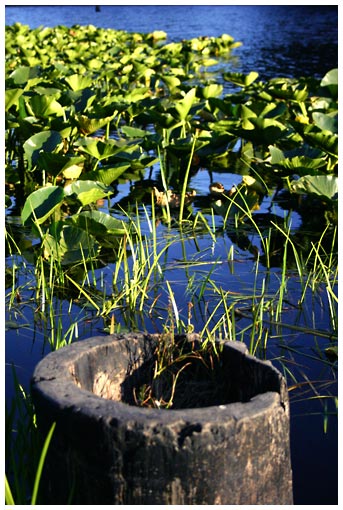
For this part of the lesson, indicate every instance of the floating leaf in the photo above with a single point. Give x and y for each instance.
(265, 131)
(72, 171)
(55, 164)
(324, 140)
(171, 81)
(276, 155)
(296, 164)
(133, 132)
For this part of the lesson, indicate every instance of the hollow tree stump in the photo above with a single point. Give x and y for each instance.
(231, 447)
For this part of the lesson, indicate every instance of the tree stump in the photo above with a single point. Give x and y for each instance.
(225, 442)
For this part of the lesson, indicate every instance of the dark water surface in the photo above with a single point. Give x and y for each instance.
(290, 41)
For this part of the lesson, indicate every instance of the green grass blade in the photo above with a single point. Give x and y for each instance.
(8, 493)
(41, 464)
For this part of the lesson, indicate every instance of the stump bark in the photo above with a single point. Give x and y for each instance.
(231, 447)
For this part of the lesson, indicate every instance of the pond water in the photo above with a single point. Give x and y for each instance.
(277, 40)
(289, 41)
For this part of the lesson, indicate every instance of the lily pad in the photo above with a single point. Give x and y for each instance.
(44, 141)
(88, 192)
(98, 223)
(41, 204)
(69, 244)
(322, 185)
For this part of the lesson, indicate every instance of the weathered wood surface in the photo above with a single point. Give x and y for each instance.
(109, 452)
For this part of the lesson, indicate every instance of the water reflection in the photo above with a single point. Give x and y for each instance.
(291, 41)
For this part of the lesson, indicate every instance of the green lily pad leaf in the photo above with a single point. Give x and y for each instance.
(272, 110)
(79, 81)
(157, 35)
(172, 82)
(23, 74)
(12, 97)
(287, 91)
(265, 131)
(88, 192)
(107, 174)
(207, 62)
(326, 122)
(138, 161)
(54, 164)
(297, 164)
(243, 80)
(322, 185)
(184, 105)
(132, 132)
(102, 150)
(324, 140)
(72, 171)
(79, 100)
(98, 223)
(330, 81)
(40, 204)
(69, 244)
(89, 125)
(43, 141)
(276, 155)
(44, 106)
(212, 90)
